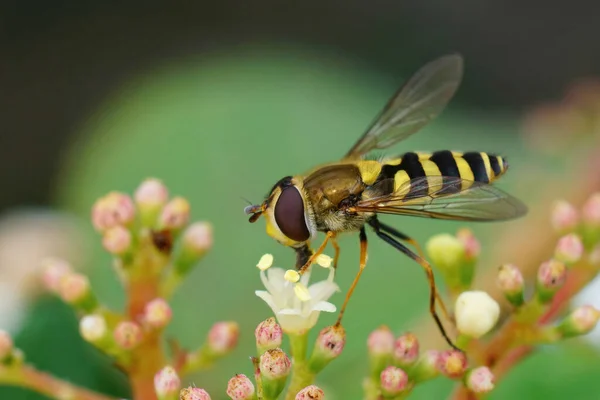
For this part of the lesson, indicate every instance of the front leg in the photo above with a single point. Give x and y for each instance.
(303, 251)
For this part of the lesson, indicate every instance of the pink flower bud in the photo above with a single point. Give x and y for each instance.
(565, 217)
(452, 363)
(240, 387)
(157, 313)
(268, 335)
(569, 249)
(166, 383)
(6, 345)
(579, 322)
(406, 349)
(381, 342)
(426, 366)
(223, 337)
(151, 193)
(127, 335)
(552, 274)
(311, 392)
(591, 210)
(117, 240)
(74, 287)
(53, 270)
(275, 364)
(470, 242)
(480, 380)
(111, 210)
(331, 341)
(176, 214)
(92, 327)
(393, 381)
(510, 281)
(198, 237)
(193, 393)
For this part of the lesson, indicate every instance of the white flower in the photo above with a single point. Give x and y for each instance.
(476, 313)
(295, 311)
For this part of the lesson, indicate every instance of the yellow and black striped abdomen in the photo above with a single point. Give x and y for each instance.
(470, 166)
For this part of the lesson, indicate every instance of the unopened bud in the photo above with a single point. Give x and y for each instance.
(193, 393)
(223, 337)
(591, 211)
(150, 198)
(565, 217)
(127, 335)
(476, 313)
(471, 244)
(274, 367)
(75, 290)
(269, 335)
(157, 313)
(449, 255)
(311, 392)
(117, 240)
(551, 276)
(111, 210)
(197, 241)
(511, 283)
(393, 381)
(381, 342)
(480, 380)
(426, 366)
(579, 322)
(53, 270)
(93, 328)
(175, 215)
(569, 249)
(6, 346)
(452, 363)
(167, 383)
(328, 346)
(406, 350)
(240, 387)
(380, 345)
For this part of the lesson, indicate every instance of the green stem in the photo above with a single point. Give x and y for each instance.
(302, 376)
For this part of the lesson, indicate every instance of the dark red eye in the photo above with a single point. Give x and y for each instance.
(289, 215)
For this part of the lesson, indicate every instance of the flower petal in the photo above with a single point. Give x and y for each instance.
(266, 296)
(288, 311)
(324, 306)
(322, 290)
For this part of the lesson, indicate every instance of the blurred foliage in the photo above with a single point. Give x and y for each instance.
(223, 127)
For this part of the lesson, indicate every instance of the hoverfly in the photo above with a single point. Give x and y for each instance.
(346, 195)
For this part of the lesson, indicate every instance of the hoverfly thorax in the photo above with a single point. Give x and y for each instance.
(288, 213)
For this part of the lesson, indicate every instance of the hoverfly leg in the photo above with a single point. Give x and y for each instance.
(399, 235)
(302, 269)
(428, 270)
(336, 256)
(362, 264)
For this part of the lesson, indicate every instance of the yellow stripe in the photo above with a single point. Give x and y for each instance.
(488, 166)
(424, 156)
(433, 173)
(400, 179)
(369, 170)
(501, 163)
(465, 172)
(393, 161)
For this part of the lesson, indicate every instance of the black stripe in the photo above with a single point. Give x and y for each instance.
(414, 169)
(494, 164)
(477, 165)
(446, 163)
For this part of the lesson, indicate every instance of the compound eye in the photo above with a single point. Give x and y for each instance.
(289, 215)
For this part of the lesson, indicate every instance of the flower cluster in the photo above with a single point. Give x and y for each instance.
(154, 247)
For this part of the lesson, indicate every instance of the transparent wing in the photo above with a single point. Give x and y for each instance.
(445, 197)
(415, 104)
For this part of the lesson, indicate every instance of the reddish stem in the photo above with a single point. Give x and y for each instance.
(41, 382)
(146, 359)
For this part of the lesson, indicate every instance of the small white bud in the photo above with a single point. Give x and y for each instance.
(476, 313)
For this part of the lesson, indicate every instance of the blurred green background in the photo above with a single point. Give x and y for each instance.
(226, 121)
